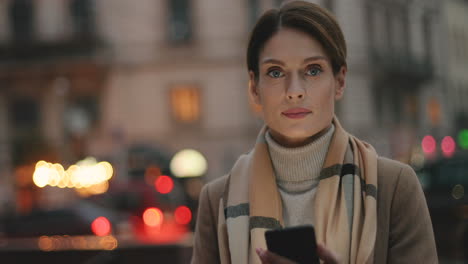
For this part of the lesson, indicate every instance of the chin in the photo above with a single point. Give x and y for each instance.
(299, 133)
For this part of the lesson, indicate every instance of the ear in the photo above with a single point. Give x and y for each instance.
(253, 89)
(340, 83)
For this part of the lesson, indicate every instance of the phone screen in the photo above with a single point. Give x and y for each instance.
(296, 243)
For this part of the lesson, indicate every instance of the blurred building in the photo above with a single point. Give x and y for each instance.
(83, 77)
(456, 68)
(51, 74)
(395, 58)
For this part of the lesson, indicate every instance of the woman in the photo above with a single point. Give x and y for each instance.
(305, 168)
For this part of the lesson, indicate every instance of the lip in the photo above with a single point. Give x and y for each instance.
(296, 113)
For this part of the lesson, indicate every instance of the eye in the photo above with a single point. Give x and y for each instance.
(314, 70)
(275, 73)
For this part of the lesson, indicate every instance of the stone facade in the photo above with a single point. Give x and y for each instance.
(138, 58)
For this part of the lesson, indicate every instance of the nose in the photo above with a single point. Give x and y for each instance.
(295, 89)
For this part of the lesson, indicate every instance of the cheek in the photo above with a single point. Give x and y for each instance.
(271, 96)
(324, 96)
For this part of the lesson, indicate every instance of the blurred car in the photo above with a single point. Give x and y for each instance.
(149, 206)
(445, 183)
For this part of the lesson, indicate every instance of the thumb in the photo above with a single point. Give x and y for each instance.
(328, 256)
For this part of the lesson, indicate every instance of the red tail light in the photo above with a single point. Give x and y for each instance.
(153, 217)
(164, 184)
(183, 215)
(101, 226)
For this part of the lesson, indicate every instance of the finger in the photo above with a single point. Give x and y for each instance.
(268, 257)
(262, 255)
(327, 255)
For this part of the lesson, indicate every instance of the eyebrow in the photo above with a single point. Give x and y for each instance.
(275, 61)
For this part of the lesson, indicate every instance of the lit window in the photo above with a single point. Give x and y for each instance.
(179, 21)
(185, 102)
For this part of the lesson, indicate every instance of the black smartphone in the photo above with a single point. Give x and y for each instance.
(295, 243)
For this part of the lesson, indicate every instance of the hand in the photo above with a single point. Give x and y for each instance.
(268, 257)
(328, 256)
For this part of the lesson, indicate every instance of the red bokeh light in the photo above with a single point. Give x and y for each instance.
(183, 215)
(428, 144)
(448, 146)
(153, 217)
(101, 226)
(164, 184)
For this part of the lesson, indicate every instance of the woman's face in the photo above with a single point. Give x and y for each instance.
(296, 88)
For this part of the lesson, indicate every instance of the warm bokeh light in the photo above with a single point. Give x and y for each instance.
(57, 243)
(463, 139)
(153, 217)
(108, 243)
(93, 189)
(164, 184)
(185, 101)
(41, 174)
(448, 146)
(45, 243)
(183, 215)
(428, 144)
(188, 163)
(101, 226)
(87, 176)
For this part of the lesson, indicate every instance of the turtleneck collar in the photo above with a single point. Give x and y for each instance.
(301, 164)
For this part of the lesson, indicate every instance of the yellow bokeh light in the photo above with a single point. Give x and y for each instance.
(54, 176)
(188, 163)
(108, 168)
(99, 188)
(57, 243)
(45, 243)
(41, 163)
(87, 175)
(108, 243)
(41, 176)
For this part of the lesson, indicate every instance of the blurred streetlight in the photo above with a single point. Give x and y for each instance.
(188, 163)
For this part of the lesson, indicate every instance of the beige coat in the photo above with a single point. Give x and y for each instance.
(404, 228)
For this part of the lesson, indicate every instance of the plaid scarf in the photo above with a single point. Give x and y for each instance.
(253, 203)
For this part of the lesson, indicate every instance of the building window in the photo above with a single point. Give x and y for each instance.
(21, 19)
(25, 113)
(427, 31)
(378, 27)
(254, 12)
(82, 14)
(25, 120)
(185, 102)
(180, 26)
(81, 115)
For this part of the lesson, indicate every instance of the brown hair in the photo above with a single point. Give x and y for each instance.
(305, 17)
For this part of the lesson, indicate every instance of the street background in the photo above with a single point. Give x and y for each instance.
(114, 113)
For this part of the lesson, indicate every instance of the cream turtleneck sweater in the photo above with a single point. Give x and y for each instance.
(297, 173)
